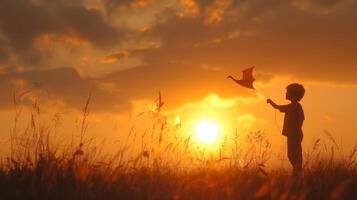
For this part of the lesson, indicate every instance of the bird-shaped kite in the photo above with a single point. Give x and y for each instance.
(247, 80)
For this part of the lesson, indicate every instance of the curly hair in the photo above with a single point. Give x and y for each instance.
(296, 90)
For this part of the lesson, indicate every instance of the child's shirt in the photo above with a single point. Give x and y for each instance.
(293, 120)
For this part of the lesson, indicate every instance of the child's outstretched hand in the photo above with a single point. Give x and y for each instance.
(269, 101)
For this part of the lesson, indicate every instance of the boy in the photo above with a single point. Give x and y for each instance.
(293, 121)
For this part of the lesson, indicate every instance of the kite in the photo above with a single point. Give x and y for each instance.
(247, 80)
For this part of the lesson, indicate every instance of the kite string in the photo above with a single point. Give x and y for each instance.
(277, 125)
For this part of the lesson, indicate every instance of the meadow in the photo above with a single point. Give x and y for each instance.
(38, 169)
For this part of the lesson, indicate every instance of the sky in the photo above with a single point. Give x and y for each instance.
(123, 52)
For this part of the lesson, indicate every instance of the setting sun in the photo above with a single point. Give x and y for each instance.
(207, 131)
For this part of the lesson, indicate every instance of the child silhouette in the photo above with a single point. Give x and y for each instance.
(293, 121)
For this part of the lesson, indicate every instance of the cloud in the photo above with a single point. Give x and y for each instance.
(22, 23)
(323, 6)
(64, 85)
(120, 5)
(194, 57)
(113, 58)
(4, 51)
(185, 56)
(277, 38)
(248, 120)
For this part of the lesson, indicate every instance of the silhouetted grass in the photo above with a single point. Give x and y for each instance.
(36, 169)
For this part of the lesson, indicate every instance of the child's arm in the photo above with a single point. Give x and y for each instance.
(281, 108)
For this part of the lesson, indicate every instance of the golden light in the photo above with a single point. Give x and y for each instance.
(207, 131)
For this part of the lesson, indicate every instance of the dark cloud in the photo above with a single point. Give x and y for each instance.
(22, 22)
(323, 6)
(205, 2)
(113, 6)
(117, 3)
(325, 3)
(63, 84)
(280, 39)
(4, 51)
(256, 8)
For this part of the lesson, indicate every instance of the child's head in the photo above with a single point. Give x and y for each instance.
(295, 92)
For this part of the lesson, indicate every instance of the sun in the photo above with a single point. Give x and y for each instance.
(207, 131)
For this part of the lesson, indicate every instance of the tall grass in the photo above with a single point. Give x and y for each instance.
(164, 165)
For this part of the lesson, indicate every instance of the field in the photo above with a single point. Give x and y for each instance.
(36, 169)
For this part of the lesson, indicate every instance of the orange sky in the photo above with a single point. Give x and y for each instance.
(124, 51)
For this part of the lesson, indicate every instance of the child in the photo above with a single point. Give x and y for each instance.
(293, 121)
